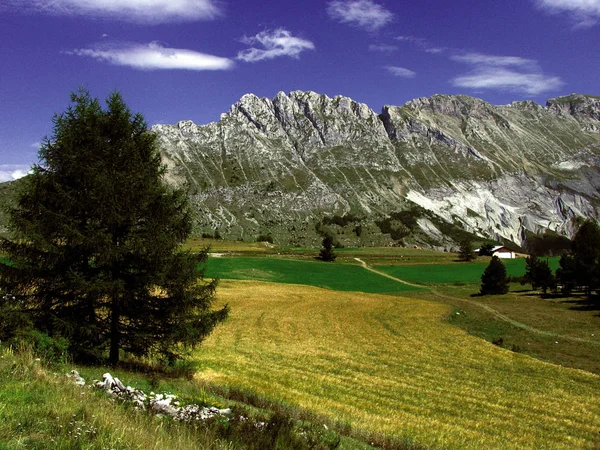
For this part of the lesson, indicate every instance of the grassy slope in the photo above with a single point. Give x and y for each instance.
(41, 410)
(392, 366)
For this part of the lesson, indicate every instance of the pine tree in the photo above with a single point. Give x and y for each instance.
(96, 241)
(327, 253)
(465, 252)
(538, 273)
(566, 274)
(586, 255)
(493, 280)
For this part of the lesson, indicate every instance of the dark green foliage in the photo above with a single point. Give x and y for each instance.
(14, 319)
(581, 267)
(538, 273)
(96, 241)
(486, 250)
(586, 252)
(341, 221)
(465, 252)
(50, 350)
(547, 244)
(493, 280)
(327, 253)
(400, 224)
(566, 273)
(264, 238)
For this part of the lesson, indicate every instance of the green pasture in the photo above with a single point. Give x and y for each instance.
(455, 273)
(339, 277)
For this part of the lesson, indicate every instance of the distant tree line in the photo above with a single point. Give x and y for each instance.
(579, 267)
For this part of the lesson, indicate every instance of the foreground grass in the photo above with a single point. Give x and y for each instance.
(341, 277)
(393, 369)
(40, 410)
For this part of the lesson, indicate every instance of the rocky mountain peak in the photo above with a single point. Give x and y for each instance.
(577, 105)
(280, 165)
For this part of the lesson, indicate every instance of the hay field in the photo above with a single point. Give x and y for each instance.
(393, 366)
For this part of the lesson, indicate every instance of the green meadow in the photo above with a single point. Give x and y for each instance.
(339, 277)
(433, 274)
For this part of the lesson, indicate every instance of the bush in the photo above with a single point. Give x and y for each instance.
(14, 318)
(264, 238)
(52, 350)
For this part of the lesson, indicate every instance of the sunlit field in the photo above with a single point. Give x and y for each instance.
(395, 368)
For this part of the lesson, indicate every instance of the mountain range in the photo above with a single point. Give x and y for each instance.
(428, 173)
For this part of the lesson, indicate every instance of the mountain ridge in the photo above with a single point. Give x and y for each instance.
(275, 165)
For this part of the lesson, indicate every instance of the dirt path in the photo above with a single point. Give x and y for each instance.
(497, 314)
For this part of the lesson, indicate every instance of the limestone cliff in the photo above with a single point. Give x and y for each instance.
(454, 162)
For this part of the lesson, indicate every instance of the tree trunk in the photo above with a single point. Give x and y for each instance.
(115, 315)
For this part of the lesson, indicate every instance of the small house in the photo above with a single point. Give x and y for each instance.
(502, 252)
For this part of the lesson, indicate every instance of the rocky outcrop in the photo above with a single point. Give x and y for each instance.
(279, 166)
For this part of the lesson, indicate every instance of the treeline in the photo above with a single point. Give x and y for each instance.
(579, 267)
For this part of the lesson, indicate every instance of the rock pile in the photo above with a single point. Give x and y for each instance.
(159, 404)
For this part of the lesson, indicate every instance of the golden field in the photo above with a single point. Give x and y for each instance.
(394, 368)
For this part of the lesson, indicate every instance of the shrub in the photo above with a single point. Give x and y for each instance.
(53, 350)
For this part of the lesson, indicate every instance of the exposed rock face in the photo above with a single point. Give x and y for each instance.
(281, 165)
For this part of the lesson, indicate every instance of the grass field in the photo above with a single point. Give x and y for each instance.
(394, 368)
(341, 277)
(455, 273)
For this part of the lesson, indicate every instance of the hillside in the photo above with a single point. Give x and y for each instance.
(417, 173)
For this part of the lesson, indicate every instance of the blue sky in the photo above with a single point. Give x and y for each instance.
(192, 59)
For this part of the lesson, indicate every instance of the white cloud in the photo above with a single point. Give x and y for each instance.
(509, 73)
(275, 43)
(153, 56)
(362, 13)
(493, 60)
(10, 172)
(141, 11)
(36, 145)
(382, 48)
(421, 43)
(400, 72)
(585, 12)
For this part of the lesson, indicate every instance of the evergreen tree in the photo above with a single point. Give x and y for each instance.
(465, 252)
(586, 253)
(538, 273)
(327, 253)
(486, 250)
(96, 241)
(494, 280)
(566, 274)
